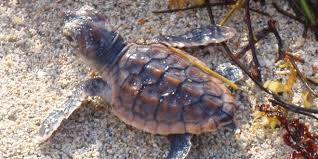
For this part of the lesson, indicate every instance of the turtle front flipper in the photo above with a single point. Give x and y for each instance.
(92, 87)
(199, 37)
(180, 146)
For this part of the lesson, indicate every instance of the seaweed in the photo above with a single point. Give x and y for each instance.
(297, 135)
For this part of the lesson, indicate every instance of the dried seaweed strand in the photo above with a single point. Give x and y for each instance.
(302, 77)
(297, 134)
(193, 7)
(280, 10)
(256, 68)
(277, 100)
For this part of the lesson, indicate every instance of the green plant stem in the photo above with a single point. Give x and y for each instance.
(308, 12)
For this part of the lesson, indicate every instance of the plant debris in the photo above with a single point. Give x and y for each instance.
(297, 135)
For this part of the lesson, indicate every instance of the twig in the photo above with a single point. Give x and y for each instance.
(193, 7)
(272, 25)
(312, 81)
(302, 78)
(277, 100)
(260, 35)
(208, 7)
(280, 10)
(256, 68)
(234, 8)
(259, 12)
(283, 54)
(291, 107)
(295, 6)
(297, 17)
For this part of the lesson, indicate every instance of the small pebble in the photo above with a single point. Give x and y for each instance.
(230, 71)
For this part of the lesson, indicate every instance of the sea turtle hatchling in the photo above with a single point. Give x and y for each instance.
(150, 87)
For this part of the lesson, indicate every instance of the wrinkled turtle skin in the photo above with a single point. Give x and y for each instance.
(150, 87)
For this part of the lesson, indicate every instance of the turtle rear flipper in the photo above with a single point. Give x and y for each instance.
(180, 145)
(199, 37)
(92, 87)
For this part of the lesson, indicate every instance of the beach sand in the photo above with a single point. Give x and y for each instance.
(38, 72)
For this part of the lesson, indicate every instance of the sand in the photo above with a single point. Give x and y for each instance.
(38, 72)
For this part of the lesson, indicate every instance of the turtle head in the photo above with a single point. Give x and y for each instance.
(88, 31)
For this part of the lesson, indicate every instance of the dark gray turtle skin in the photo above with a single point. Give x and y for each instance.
(204, 36)
(150, 87)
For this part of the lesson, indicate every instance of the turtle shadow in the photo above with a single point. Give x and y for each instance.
(218, 146)
(77, 132)
(224, 143)
(92, 132)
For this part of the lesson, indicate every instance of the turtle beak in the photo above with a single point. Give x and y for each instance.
(68, 35)
(68, 30)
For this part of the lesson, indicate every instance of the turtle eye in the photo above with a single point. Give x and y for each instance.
(69, 38)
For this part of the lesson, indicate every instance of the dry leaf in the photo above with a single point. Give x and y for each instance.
(261, 119)
(198, 2)
(275, 86)
(308, 99)
(182, 3)
(177, 3)
(292, 76)
(279, 87)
